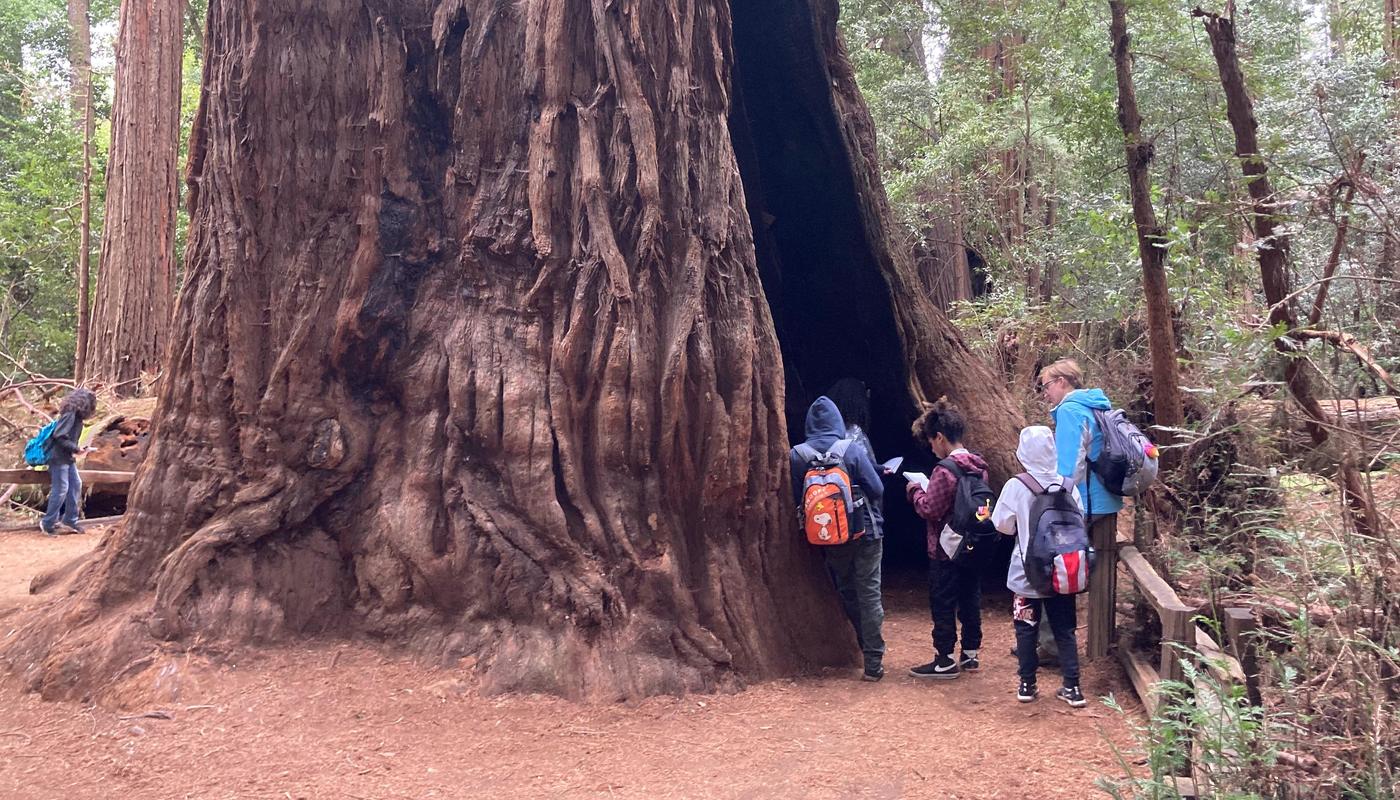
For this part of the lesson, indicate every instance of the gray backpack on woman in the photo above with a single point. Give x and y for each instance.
(1127, 464)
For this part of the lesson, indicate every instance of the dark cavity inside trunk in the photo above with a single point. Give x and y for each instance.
(829, 300)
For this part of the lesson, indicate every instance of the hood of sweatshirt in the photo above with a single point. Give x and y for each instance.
(1093, 399)
(824, 424)
(1036, 452)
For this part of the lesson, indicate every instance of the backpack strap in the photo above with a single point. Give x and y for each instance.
(838, 454)
(809, 453)
(1031, 483)
(1100, 420)
(952, 466)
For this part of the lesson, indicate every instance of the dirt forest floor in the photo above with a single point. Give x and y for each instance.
(353, 720)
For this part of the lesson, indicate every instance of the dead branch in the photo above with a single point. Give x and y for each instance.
(36, 382)
(1347, 342)
(1305, 763)
(1335, 256)
(32, 409)
(19, 366)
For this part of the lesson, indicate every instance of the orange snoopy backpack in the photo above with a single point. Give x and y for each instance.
(830, 506)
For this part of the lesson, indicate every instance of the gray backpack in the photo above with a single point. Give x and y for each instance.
(1059, 557)
(1127, 464)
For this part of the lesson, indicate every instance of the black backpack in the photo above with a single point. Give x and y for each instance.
(971, 517)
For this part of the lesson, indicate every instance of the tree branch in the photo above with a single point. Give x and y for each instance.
(1347, 342)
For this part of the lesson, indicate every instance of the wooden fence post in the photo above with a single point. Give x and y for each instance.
(1177, 629)
(1103, 588)
(1240, 627)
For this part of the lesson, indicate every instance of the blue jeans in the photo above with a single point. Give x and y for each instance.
(65, 489)
(855, 569)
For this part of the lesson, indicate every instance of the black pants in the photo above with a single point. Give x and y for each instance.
(1059, 611)
(954, 595)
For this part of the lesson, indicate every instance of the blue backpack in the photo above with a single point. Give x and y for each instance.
(36, 453)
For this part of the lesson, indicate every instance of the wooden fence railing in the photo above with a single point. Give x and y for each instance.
(1235, 663)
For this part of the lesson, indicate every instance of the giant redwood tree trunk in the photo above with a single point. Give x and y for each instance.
(136, 272)
(474, 352)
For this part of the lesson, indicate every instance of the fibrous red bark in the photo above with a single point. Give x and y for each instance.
(136, 273)
(473, 351)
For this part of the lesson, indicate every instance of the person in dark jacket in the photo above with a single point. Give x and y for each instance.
(65, 487)
(855, 565)
(954, 590)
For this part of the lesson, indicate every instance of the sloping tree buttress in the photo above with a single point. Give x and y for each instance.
(473, 353)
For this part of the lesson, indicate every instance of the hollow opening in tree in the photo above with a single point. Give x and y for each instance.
(830, 302)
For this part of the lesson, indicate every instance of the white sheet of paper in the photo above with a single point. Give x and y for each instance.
(917, 477)
(893, 464)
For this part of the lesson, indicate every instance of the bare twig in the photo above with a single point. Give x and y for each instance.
(19, 366)
(32, 409)
(1347, 342)
(1335, 256)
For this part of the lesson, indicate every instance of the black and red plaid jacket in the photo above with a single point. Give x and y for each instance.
(935, 505)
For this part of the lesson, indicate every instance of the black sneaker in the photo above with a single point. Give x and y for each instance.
(941, 668)
(873, 674)
(1072, 695)
(64, 527)
(969, 663)
(1027, 692)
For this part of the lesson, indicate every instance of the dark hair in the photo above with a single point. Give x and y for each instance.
(853, 401)
(81, 402)
(941, 417)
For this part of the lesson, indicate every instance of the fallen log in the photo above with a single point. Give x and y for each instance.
(31, 525)
(90, 477)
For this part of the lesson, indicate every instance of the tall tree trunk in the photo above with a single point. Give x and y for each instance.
(80, 95)
(960, 270)
(1050, 281)
(136, 272)
(85, 245)
(475, 351)
(1390, 234)
(80, 62)
(1011, 192)
(1273, 253)
(1152, 242)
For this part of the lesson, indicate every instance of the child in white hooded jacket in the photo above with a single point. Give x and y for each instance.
(1036, 452)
